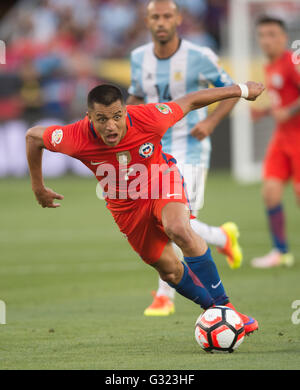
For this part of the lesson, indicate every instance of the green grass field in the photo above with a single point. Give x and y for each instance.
(75, 291)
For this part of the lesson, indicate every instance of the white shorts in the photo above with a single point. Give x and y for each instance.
(195, 179)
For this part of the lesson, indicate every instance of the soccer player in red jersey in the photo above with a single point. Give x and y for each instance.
(282, 160)
(142, 185)
(164, 70)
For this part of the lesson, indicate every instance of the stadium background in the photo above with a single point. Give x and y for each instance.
(75, 292)
(57, 50)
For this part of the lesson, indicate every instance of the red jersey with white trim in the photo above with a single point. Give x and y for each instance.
(128, 169)
(283, 84)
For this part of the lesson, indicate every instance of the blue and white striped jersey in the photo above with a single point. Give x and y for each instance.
(190, 69)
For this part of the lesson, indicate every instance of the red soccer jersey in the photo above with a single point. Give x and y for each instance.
(134, 156)
(283, 84)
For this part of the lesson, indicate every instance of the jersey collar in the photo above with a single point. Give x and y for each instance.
(93, 130)
(129, 120)
(167, 58)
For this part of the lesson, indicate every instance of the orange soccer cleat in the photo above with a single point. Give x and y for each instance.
(161, 306)
(232, 249)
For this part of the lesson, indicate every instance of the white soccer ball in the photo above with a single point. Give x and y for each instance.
(219, 329)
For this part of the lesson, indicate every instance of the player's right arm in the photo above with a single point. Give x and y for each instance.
(199, 99)
(135, 91)
(34, 150)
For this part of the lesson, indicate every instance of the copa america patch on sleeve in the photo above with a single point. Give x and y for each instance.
(57, 137)
(163, 108)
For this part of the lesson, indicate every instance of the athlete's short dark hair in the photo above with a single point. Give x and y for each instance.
(160, 1)
(265, 19)
(105, 94)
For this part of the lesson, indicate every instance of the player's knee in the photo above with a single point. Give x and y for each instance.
(267, 194)
(173, 277)
(271, 194)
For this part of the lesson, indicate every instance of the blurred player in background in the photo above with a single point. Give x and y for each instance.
(282, 160)
(167, 69)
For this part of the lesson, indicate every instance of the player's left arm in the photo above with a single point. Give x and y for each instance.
(195, 100)
(288, 112)
(207, 126)
(218, 77)
(158, 118)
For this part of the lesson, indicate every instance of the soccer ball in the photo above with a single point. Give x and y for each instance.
(219, 329)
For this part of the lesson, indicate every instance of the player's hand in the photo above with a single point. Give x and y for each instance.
(281, 115)
(203, 129)
(45, 197)
(255, 89)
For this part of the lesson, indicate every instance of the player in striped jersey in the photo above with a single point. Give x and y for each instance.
(167, 69)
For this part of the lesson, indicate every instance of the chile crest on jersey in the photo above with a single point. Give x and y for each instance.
(146, 150)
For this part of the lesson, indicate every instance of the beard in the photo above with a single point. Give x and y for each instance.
(165, 39)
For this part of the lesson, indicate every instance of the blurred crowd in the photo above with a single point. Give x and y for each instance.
(55, 48)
